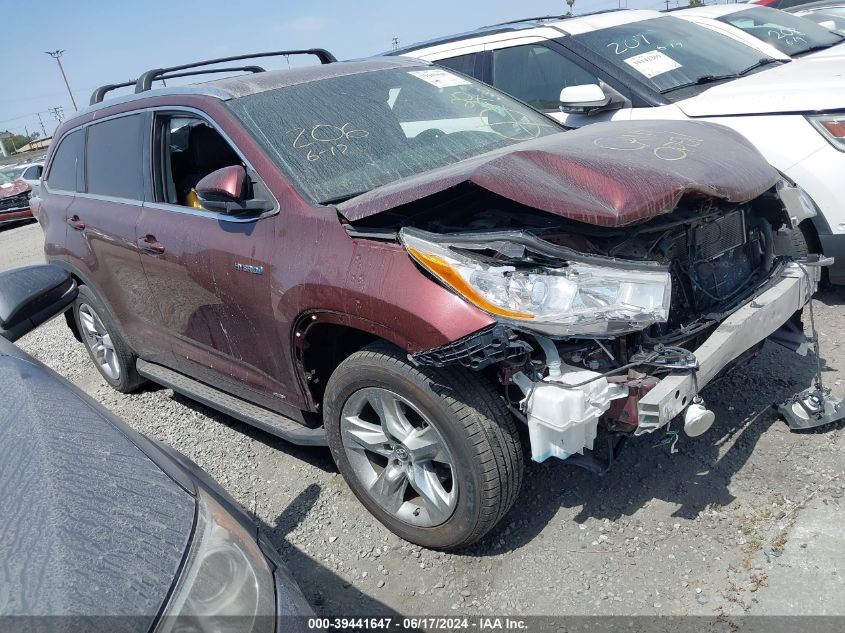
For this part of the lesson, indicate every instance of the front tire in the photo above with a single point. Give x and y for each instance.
(433, 454)
(106, 347)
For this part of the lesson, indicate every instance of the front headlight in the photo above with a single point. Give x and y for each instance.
(832, 127)
(576, 298)
(226, 583)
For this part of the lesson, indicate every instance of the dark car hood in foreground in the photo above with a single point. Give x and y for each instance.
(607, 174)
(90, 525)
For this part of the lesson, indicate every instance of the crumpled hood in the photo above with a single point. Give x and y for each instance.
(13, 188)
(607, 174)
(809, 84)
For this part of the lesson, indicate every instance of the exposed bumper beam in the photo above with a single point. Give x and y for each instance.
(746, 327)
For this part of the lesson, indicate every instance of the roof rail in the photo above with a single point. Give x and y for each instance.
(565, 16)
(539, 18)
(145, 81)
(99, 94)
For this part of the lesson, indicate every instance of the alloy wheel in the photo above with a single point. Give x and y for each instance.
(99, 341)
(399, 457)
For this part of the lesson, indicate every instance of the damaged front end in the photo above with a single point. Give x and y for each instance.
(620, 327)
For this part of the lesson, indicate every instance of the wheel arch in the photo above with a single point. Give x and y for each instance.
(322, 339)
(82, 279)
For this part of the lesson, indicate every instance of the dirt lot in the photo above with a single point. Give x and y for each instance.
(745, 519)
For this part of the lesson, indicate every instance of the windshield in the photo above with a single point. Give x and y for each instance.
(832, 18)
(340, 137)
(669, 53)
(4, 178)
(12, 172)
(788, 33)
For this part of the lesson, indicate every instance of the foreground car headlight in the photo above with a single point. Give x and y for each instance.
(226, 583)
(576, 298)
(832, 127)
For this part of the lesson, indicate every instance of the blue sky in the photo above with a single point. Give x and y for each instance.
(108, 42)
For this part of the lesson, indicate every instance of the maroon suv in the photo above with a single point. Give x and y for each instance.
(417, 270)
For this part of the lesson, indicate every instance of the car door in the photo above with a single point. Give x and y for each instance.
(205, 268)
(101, 220)
(535, 72)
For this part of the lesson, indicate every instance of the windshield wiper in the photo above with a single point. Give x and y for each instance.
(764, 61)
(817, 47)
(704, 79)
(342, 198)
(707, 79)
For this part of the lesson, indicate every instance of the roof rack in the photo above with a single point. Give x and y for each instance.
(539, 18)
(99, 94)
(565, 16)
(145, 81)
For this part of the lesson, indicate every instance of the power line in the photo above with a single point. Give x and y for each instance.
(43, 129)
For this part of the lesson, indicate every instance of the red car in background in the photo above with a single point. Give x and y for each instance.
(14, 200)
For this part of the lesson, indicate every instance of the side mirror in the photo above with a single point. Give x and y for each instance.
(32, 295)
(588, 99)
(226, 191)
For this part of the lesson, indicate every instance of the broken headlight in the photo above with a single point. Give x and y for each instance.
(575, 298)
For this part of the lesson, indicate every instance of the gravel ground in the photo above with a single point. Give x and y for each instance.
(702, 531)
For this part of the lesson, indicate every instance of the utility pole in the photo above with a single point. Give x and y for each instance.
(43, 129)
(57, 56)
(57, 112)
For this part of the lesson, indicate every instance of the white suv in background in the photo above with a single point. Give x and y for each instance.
(776, 33)
(623, 65)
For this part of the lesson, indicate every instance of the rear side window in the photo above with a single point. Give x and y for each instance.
(536, 74)
(66, 162)
(32, 173)
(114, 164)
(462, 63)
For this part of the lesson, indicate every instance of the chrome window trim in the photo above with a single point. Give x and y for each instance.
(105, 198)
(160, 205)
(202, 115)
(210, 215)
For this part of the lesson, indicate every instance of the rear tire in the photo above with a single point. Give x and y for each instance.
(106, 347)
(403, 436)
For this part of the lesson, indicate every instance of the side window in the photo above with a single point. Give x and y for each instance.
(66, 162)
(536, 74)
(462, 63)
(32, 173)
(114, 158)
(187, 150)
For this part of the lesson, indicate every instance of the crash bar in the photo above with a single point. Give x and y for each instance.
(746, 327)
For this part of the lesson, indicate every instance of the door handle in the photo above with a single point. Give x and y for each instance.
(150, 244)
(76, 223)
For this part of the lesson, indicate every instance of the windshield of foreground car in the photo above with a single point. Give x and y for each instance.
(5, 179)
(340, 137)
(788, 33)
(669, 53)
